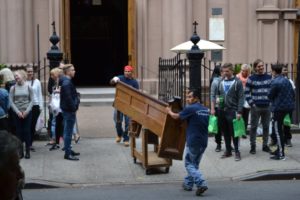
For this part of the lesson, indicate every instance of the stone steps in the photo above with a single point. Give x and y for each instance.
(96, 96)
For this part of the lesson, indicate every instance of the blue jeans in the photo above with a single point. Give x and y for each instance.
(192, 160)
(23, 128)
(118, 125)
(69, 122)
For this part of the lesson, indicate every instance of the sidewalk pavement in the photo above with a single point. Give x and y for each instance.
(104, 162)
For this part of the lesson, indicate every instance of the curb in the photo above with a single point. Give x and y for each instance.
(271, 175)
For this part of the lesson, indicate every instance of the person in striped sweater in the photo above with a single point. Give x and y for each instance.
(256, 94)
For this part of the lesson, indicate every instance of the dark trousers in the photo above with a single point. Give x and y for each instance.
(59, 127)
(23, 128)
(35, 115)
(11, 123)
(218, 136)
(245, 116)
(227, 128)
(286, 131)
(4, 124)
(278, 127)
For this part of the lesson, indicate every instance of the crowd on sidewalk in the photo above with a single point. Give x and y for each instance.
(22, 105)
(254, 96)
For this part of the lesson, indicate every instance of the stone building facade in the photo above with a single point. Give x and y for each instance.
(101, 36)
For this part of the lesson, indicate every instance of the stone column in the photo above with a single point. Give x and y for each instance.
(15, 31)
(166, 27)
(3, 32)
(28, 32)
(268, 17)
(289, 15)
(179, 31)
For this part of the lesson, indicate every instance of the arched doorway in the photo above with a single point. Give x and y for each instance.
(96, 38)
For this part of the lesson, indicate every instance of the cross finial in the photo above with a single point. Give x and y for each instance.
(195, 26)
(53, 24)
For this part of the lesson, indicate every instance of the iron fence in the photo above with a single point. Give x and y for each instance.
(173, 79)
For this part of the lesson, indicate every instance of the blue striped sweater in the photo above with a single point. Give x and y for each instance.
(257, 90)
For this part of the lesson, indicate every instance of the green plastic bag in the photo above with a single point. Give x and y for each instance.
(213, 124)
(239, 127)
(287, 120)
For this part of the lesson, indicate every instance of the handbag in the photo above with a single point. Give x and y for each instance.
(213, 124)
(55, 103)
(239, 127)
(287, 120)
(39, 123)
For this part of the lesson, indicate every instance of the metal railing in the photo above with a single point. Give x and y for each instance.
(173, 79)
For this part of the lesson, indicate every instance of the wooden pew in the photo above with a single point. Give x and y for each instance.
(151, 114)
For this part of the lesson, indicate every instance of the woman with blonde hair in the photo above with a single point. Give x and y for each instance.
(8, 81)
(21, 100)
(57, 119)
(243, 76)
(8, 78)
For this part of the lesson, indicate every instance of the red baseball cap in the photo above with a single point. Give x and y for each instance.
(128, 68)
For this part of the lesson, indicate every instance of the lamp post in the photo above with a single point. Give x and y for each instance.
(54, 55)
(195, 56)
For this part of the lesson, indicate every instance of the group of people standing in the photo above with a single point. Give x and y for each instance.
(65, 101)
(21, 104)
(267, 98)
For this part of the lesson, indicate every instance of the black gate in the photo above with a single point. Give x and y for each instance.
(172, 78)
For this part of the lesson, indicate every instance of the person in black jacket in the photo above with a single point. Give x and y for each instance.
(69, 103)
(282, 97)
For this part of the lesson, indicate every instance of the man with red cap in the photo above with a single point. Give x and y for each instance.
(118, 116)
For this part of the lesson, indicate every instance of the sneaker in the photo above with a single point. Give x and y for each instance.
(54, 147)
(201, 190)
(218, 148)
(126, 143)
(244, 136)
(253, 149)
(186, 188)
(276, 157)
(289, 143)
(237, 156)
(226, 154)
(118, 139)
(266, 149)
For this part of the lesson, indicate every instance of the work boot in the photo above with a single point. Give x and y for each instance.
(201, 190)
(237, 156)
(27, 153)
(118, 139)
(218, 148)
(126, 143)
(253, 149)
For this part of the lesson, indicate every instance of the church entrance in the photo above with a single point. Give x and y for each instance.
(98, 40)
